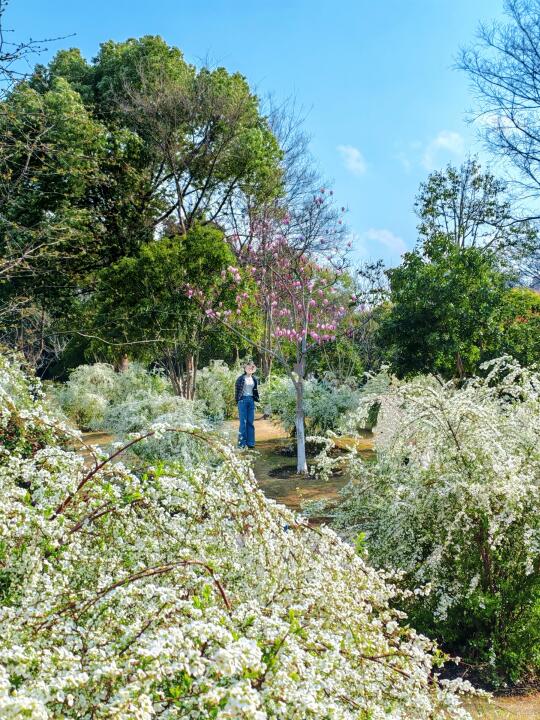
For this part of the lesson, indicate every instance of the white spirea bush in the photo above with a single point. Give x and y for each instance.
(187, 594)
(324, 402)
(135, 416)
(215, 387)
(92, 391)
(368, 409)
(453, 500)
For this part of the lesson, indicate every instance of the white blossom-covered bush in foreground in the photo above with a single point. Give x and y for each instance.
(187, 594)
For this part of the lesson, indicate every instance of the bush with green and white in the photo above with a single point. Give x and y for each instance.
(186, 593)
(215, 387)
(92, 391)
(453, 502)
(325, 402)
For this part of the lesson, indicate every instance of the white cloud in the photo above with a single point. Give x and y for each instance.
(353, 159)
(387, 239)
(379, 242)
(446, 141)
(404, 160)
(494, 121)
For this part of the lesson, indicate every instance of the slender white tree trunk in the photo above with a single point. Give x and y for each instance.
(301, 463)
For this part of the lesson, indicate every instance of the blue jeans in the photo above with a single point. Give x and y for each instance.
(246, 413)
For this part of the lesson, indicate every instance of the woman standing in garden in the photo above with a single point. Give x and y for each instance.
(246, 395)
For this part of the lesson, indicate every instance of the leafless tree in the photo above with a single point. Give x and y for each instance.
(15, 53)
(504, 69)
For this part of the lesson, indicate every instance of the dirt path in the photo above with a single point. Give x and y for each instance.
(276, 470)
(515, 707)
(265, 429)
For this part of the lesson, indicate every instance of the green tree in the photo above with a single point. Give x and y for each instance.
(445, 307)
(206, 143)
(96, 157)
(142, 304)
(519, 334)
(50, 153)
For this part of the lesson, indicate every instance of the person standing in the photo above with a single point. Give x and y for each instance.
(246, 393)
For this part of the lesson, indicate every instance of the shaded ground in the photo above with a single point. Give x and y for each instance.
(526, 707)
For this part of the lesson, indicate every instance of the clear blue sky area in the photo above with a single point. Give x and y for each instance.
(384, 105)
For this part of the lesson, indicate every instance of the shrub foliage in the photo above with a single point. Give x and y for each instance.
(185, 593)
(453, 501)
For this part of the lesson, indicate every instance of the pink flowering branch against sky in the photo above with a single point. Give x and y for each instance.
(294, 275)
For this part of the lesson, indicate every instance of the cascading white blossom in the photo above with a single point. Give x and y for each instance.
(185, 593)
(453, 501)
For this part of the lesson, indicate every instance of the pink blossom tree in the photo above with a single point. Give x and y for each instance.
(297, 286)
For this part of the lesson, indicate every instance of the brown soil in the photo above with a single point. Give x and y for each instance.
(513, 707)
(280, 481)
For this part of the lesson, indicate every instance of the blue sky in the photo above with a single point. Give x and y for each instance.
(383, 104)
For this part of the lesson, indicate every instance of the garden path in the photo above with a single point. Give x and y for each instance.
(275, 470)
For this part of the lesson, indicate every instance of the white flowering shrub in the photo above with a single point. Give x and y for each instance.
(22, 433)
(92, 390)
(369, 410)
(453, 500)
(136, 414)
(279, 400)
(187, 594)
(173, 446)
(136, 381)
(215, 387)
(85, 396)
(324, 403)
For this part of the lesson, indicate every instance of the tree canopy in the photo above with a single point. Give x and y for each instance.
(444, 309)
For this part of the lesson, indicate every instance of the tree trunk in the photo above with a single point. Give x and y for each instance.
(190, 376)
(194, 376)
(122, 364)
(301, 463)
(459, 366)
(266, 365)
(266, 356)
(172, 368)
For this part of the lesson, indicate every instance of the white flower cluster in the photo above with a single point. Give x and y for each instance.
(373, 406)
(453, 498)
(188, 594)
(98, 398)
(215, 387)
